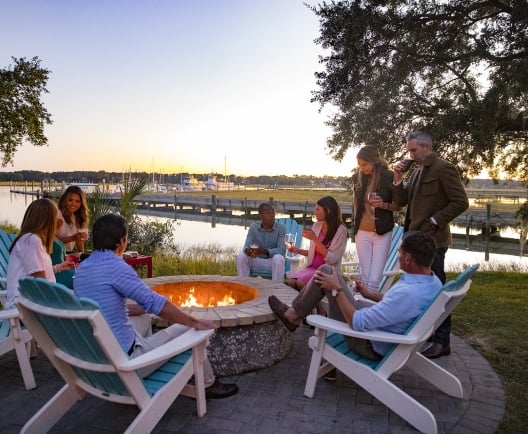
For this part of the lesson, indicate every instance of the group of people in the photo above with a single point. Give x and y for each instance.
(433, 197)
(49, 231)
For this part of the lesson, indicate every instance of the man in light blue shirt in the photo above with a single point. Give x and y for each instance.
(264, 248)
(399, 307)
(108, 280)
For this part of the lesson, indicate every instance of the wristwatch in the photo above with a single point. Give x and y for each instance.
(335, 291)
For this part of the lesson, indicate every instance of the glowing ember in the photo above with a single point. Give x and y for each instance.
(206, 293)
(192, 301)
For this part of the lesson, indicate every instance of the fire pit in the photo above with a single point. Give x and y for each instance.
(249, 336)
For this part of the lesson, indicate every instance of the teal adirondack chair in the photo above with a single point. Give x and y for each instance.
(80, 344)
(5, 242)
(329, 350)
(391, 268)
(12, 335)
(291, 227)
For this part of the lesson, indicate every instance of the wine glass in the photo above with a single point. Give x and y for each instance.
(372, 196)
(289, 240)
(352, 271)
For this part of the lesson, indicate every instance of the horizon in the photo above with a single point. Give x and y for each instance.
(215, 86)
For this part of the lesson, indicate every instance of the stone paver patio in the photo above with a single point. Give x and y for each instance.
(271, 401)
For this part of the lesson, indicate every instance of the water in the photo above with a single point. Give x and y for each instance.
(191, 233)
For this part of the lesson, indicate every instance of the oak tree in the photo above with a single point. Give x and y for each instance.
(22, 113)
(455, 68)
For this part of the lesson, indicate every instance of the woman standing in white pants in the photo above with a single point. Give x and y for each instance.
(373, 214)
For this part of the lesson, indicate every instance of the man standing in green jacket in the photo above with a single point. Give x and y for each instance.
(434, 197)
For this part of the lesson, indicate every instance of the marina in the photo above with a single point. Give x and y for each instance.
(235, 214)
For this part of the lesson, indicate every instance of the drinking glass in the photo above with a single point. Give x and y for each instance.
(289, 240)
(371, 196)
(352, 272)
(85, 232)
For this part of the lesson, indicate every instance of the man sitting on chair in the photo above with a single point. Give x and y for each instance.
(108, 280)
(264, 248)
(406, 300)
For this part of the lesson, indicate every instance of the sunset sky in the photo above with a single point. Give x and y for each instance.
(174, 85)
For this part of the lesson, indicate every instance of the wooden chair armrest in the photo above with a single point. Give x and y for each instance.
(182, 343)
(343, 328)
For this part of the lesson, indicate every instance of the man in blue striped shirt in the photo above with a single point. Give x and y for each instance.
(108, 280)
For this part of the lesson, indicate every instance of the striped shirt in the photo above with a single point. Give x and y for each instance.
(108, 280)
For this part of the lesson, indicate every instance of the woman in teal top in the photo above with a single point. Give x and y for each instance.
(58, 255)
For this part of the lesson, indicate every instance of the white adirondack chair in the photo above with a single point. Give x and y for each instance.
(78, 341)
(331, 350)
(14, 337)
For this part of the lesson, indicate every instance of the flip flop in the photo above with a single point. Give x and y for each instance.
(279, 308)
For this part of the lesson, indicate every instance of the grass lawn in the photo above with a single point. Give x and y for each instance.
(493, 319)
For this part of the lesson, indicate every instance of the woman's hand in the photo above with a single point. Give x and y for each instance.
(309, 234)
(377, 201)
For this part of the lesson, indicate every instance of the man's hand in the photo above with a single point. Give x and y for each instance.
(398, 174)
(252, 252)
(203, 324)
(327, 281)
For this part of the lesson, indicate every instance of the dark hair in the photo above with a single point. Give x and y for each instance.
(264, 206)
(81, 215)
(40, 218)
(108, 231)
(333, 217)
(421, 246)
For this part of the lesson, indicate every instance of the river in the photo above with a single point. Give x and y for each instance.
(189, 232)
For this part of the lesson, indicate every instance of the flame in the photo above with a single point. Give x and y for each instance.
(192, 301)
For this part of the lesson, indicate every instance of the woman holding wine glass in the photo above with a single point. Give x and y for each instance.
(327, 237)
(74, 210)
(373, 214)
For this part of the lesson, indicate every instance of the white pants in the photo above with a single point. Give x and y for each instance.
(144, 344)
(372, 250)
(275, 264)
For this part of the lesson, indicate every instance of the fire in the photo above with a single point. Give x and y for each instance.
(192, 301)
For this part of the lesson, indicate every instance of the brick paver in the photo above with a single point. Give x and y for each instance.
(271, 401)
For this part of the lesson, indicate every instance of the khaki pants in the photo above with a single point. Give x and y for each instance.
(312, 294)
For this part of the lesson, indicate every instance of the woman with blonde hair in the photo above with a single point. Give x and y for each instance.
(31, 249)
(373, 214)
(74, 209)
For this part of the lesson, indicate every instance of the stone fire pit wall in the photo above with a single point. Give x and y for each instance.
(249, 336)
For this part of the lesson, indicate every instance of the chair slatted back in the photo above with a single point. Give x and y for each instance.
(58, 320)
(392, 263)
(5, 243)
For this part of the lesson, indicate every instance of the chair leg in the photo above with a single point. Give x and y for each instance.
(25, 365)
(51, 413)
(436, 375)
(316, 343)
(389, 394)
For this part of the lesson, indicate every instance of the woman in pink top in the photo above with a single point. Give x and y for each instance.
(328, 238)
